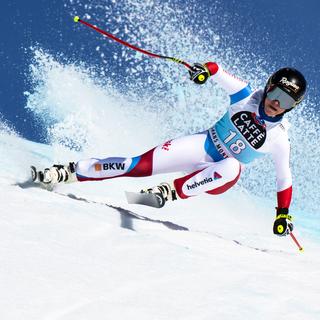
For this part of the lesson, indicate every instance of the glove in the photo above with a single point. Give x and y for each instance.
(199, 73)
(282, 225)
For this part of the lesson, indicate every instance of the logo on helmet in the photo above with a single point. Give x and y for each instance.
(290, 84)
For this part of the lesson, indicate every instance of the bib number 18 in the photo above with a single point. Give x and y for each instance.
(237, 146)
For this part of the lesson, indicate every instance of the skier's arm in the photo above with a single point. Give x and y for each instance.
(236, 88)
(227, 81)
(281, 157)
(281, 154)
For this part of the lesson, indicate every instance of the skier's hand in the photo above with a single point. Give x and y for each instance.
(199, 73)
(282, 225)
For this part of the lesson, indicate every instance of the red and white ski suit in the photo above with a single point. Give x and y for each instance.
(213, 158)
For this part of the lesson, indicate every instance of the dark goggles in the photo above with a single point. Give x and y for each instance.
(286, 102)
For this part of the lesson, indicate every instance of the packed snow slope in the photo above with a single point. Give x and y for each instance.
(81, 252)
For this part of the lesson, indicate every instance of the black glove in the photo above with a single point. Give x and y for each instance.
(282, 226)
(199, 73)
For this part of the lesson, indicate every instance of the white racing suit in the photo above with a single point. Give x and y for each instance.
(213, 158)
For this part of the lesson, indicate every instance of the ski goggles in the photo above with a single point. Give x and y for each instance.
(286, 102)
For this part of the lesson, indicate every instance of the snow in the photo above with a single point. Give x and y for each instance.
(63, 258)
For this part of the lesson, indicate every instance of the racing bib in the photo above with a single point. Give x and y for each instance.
(242, 135)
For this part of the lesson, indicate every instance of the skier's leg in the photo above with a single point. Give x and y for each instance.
(100, 169)
(188, 153)
(215, 179)
(182, 154)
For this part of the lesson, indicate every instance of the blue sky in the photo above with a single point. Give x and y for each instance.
(280, 32)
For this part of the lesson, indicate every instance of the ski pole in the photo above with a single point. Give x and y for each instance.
(111, 36)
(296, 242)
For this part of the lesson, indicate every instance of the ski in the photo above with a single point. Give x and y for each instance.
(154, 200)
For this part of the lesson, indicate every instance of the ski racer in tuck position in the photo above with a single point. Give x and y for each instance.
(252, 126)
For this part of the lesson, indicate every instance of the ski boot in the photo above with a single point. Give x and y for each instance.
(165, 190)
(56, 174)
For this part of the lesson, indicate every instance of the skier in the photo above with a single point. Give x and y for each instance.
(252, 126)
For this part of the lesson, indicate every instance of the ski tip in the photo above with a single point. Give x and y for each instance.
(76, 19)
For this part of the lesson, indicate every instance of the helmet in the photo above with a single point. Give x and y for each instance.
(290, 81)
